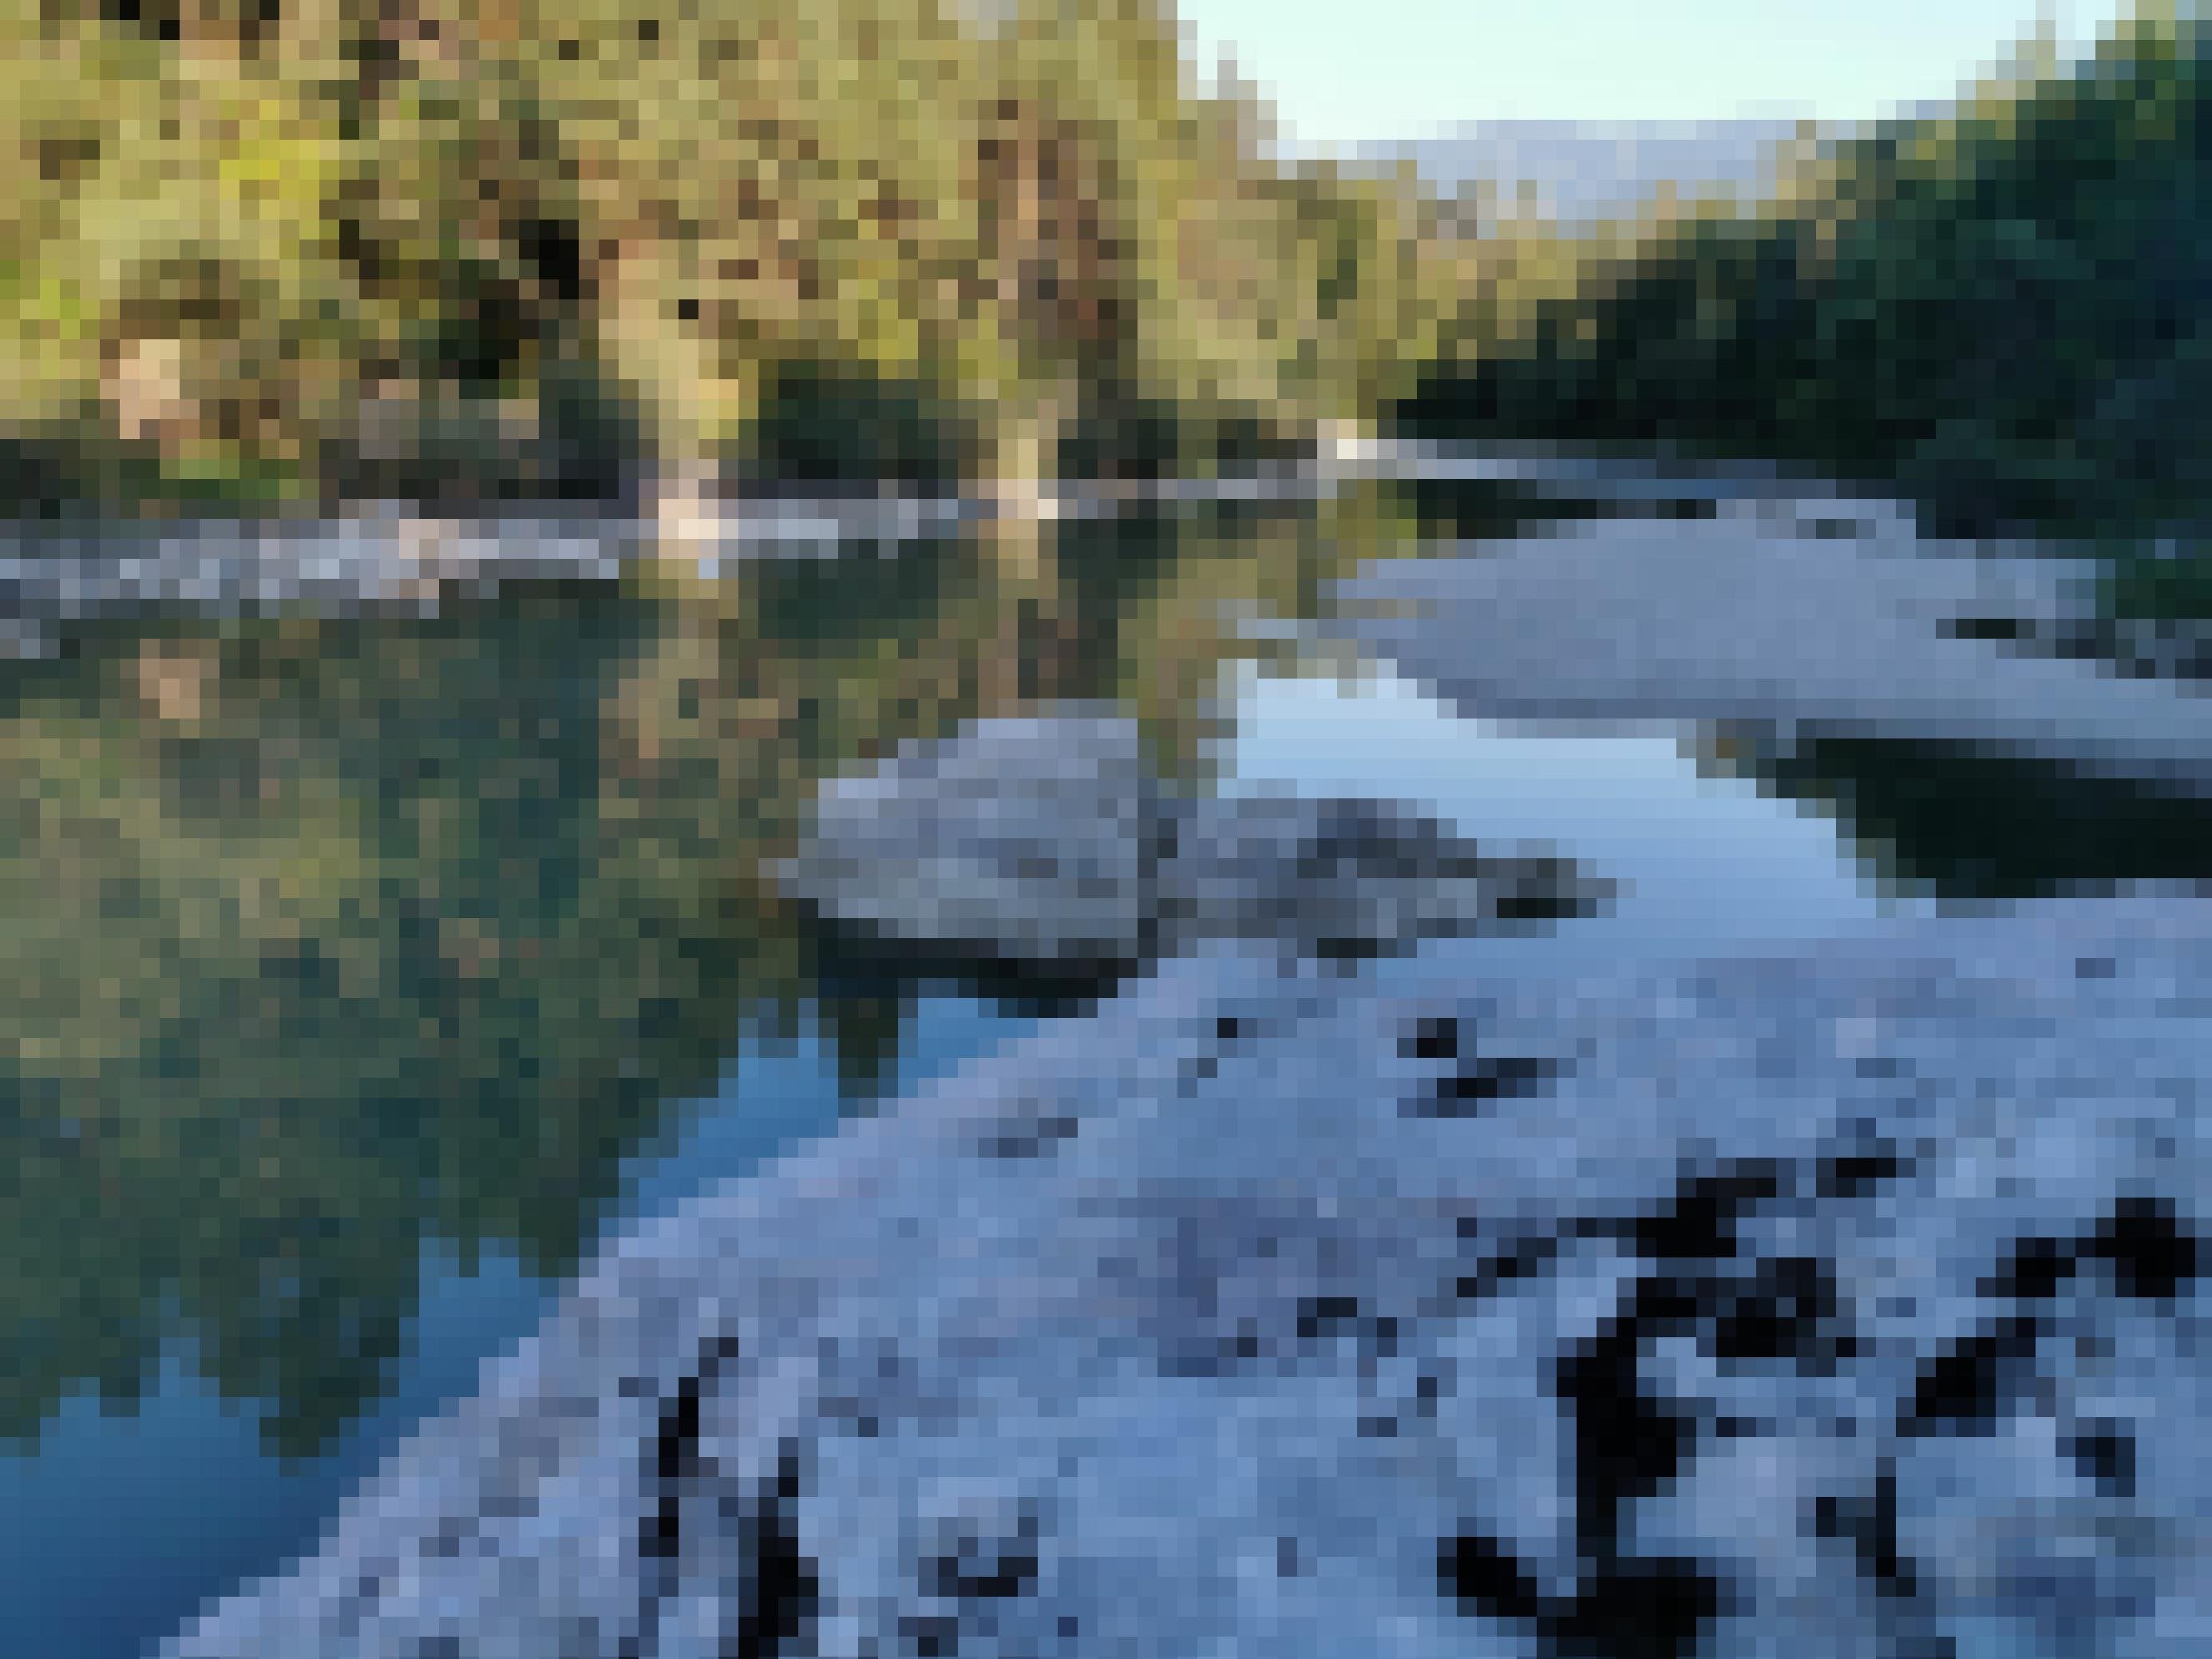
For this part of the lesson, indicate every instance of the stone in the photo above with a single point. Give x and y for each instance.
(1344, 876)
(1816, 1301)
(1032, 838)
(1049, 840)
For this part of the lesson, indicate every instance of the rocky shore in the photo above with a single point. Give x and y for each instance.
(1760, 615)
(1840, 1298)
(1839, 1301)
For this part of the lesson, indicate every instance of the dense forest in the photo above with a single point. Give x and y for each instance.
(284, 252)
(307, 250)
(2002, 309)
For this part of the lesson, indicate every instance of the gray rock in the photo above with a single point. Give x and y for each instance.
(1036, 838)
(1342, 876)
(1050, 840)
(1839, 1302)
(1741, 620)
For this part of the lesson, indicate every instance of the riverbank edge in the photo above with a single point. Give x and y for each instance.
(784, 1255)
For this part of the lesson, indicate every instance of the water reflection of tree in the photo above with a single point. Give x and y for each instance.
(331, 954)
(1948, 820)
(329, 935)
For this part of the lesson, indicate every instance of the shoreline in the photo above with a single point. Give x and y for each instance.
(1746, 622)
(53, 571)
(1225, 1100)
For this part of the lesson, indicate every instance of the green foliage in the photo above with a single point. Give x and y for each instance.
(352, 246)
(826, 426)
(2000, 311)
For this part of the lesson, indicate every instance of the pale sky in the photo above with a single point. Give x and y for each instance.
(1341, 73)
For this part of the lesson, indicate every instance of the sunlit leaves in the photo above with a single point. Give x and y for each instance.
(1035, 214)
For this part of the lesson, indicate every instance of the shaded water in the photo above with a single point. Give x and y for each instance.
(365, 971)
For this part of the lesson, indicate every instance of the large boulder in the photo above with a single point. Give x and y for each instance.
(1032, 838)
(1832, 1302)
(1050, 840)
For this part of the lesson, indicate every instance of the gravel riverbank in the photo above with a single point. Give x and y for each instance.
(1746, 618)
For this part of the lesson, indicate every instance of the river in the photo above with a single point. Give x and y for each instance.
(376, 952)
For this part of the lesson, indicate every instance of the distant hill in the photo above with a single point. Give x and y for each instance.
(1577, 172)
